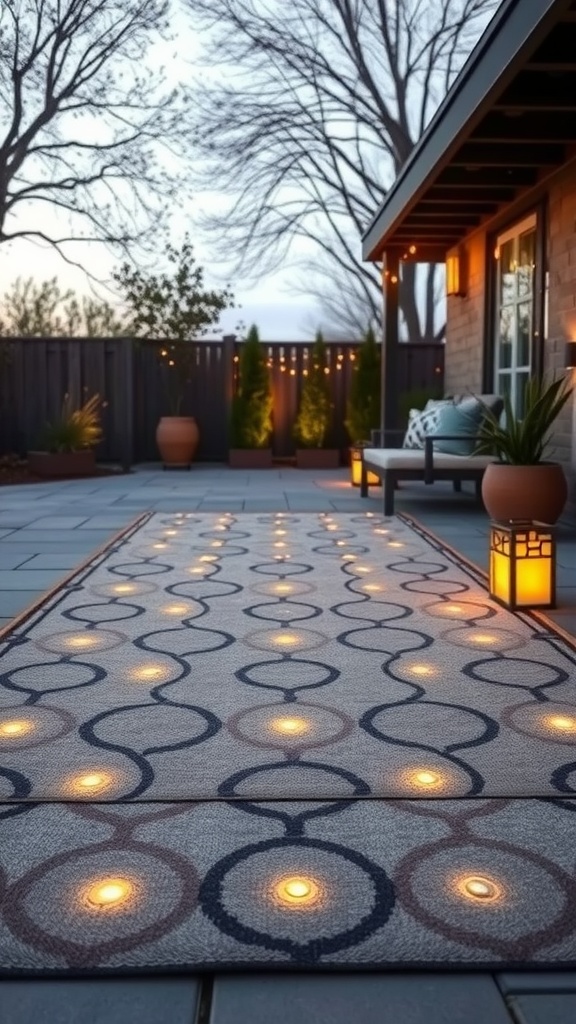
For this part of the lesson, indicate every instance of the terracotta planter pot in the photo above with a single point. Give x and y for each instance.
(177, 439)
(250, 458)
(317, 458)
(519, 493)
(62, 464)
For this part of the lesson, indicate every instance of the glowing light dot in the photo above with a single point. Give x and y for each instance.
(81, 641)
(290, 726)
(363, 568)
(283, 588)
(369, 515)
(482, 638)
(372, 587)
(421, 670)
(217, 543)
(17, 727)
(170, 533)
(176, 609)
(395, 544)
(286, 639)
(563, 723)
(160, 547)
(110, 892)
(341, 543)
(297, 891)
(427, 778)
(197, 569)
(123, 588)
(280, 533)
(148, 672)
(380, 531)
(332, 526)
(94, 780)
(478, 887)
(208, 558)
(453, 608)
(279, 544)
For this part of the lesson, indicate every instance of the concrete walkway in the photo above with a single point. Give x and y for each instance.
(46, 531)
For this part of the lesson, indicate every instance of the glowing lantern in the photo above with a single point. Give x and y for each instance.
(356, 468)
(522, 565)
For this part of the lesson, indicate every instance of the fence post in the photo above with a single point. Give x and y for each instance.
(125, 395)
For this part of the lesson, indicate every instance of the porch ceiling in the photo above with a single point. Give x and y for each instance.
(508, 120)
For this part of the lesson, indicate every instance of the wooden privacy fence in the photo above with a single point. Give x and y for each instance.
(36, 373)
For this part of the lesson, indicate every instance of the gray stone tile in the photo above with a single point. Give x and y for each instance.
(56, 523)
(28, 579)
(15, 519)
(543, 1009)
(64, 561)
(31, 536)
(10, 559)
(105, 522)
(76, 543)
(12, 602)
(5, 532)
(357, 999)
(515, 982)
(99, 1001)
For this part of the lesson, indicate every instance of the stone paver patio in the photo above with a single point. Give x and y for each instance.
(46, 531)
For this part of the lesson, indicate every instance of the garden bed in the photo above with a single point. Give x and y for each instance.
(14, 470)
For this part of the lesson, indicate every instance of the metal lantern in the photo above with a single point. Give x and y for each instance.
(356, 468)
(522, 565)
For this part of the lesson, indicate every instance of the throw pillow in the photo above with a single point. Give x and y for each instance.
(422, 423)
(461, 421)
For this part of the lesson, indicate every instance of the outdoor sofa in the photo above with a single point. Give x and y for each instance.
(423, 460)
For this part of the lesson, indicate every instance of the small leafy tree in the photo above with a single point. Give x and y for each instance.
(315, 410)
(42, 310)
(251, 423)
(363, 407)
(174, 308)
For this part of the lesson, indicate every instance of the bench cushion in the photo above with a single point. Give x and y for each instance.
(413, 459)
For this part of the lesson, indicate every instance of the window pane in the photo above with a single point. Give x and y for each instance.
(526, 260)
(505, 339)
(507, 272)
(521, 380)
(523, 332)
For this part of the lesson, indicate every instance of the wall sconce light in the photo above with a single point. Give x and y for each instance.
(455, 274)
(570, 360)
(522, 565)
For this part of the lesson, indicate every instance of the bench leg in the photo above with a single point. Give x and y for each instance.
(457, 485)
(364, 481)
(388, 486)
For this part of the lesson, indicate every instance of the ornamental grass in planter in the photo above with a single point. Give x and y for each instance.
(521, 485)
(314, 414)
(251, 420)
(68, 443)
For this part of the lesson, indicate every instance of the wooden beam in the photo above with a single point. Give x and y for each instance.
(502, 154)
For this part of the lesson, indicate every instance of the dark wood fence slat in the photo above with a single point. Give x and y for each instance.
(127, 374)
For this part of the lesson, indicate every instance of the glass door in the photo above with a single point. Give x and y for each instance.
(516, 252)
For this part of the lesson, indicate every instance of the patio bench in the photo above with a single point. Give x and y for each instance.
(426, 465)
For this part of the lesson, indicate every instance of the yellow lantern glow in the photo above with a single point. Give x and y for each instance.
(356, 468)
(522, 565)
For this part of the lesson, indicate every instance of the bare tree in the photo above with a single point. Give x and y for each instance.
(85, 119)
(31, 310)
(316, 106)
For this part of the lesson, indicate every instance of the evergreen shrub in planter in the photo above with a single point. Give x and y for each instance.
(314, 414)
(251, 421)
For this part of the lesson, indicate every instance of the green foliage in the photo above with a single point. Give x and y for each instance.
(76, 429)
(523, 442)
(251, 421)
(415, 399)
(363, 408)
(315, 409)
(31, 310)
(174, 307)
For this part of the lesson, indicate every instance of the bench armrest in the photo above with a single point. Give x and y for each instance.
(429, 451)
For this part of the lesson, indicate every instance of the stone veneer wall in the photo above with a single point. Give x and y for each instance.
(464, 330)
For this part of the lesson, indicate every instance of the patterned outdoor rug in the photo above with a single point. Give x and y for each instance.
(284, 739)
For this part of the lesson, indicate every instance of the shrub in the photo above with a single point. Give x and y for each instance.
(315, 409)
(363, 407)
(251, 422)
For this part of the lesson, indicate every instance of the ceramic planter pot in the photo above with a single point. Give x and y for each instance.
(62, 464)
(177, 439)
(250, 458)
(537, 493)
(317, 458)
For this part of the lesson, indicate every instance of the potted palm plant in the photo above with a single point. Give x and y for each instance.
(314, 414)
(251, 420)
(521, 485)
(68, 443)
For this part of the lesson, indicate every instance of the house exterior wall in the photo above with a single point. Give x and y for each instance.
(465, 316)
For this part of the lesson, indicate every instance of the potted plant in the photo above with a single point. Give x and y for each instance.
(521, 485)
(251, 419)
(314, 414)
(176, 309)
(68, 443)
(363, 406)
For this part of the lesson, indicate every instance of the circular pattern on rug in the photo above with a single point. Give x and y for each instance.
(283, 611)
(22, 728)
(554, 722)
(123, 589)
(49, 677)
(304, 897)
(78, 642)
(91, 904)
(290, 728)
(288, 675)
(488, 894)
(467, 610)
(109, 611)
(285, 641)
(483, 638)
(283, 588)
